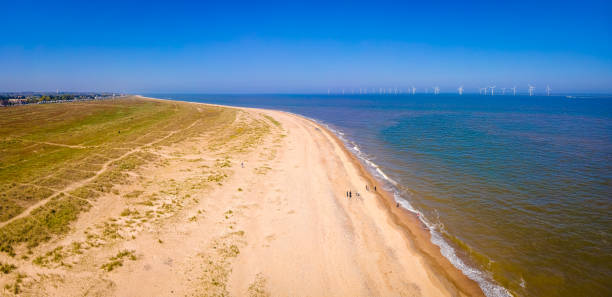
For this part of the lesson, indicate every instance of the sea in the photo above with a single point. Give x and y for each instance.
(516, 190)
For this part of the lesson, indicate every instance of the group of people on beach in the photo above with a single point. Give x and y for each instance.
(349, 193)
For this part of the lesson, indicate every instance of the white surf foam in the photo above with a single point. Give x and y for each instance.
(488, 286)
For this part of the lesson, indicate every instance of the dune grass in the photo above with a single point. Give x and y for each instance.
(117, 260)
(88, 148)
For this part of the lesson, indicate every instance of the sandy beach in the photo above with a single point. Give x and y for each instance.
(265, 216)
(332, 245)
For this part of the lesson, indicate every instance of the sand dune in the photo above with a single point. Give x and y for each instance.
(264, 213)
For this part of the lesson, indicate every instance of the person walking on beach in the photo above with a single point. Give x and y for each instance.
(374, 188)
(350, 194)
(242, 164)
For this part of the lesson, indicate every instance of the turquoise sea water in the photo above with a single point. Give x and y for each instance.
(516, 190)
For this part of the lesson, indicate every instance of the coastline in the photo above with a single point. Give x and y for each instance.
(437, 250)
(416, 233)
(229, 201)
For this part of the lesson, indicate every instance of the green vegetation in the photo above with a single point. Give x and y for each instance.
(218, 264)
(76, 247)
(15, 288)
(263, 170)
(57, 159)
(258, 287)
(52, 218)
(7, 268)
(223, 163)
(117, 260)
(45, 148)
(216, 177)
(271, 119)
(56, 255)
(133, 194)
(126, 212)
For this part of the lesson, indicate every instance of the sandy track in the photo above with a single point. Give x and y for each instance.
(97, 173)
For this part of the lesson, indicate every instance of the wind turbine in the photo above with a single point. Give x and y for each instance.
(514, 90)
(492, 90)
(436, 90)
(548, 89)
(503, 91)
(413, 90)
(531, 89)
(460, 89)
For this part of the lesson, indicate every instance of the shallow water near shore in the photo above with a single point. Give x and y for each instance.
(517, 190)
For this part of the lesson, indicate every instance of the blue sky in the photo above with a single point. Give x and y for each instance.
(270, 47)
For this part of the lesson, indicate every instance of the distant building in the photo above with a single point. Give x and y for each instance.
(18, 101)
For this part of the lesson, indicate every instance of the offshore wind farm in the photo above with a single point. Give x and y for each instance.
(489, 90)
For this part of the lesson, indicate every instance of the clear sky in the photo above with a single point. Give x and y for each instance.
(270, 47)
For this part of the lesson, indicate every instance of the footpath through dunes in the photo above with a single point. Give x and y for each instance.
(144, 197)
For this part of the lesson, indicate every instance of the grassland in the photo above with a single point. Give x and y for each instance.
(90, 190)
(56, 159)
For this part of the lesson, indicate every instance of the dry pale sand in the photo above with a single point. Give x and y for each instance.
(279, 226)
(310, 240)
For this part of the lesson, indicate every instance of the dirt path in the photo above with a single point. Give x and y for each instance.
(76, 185)
(61, 144)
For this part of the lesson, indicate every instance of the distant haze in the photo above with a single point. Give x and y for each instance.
(307, 47)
